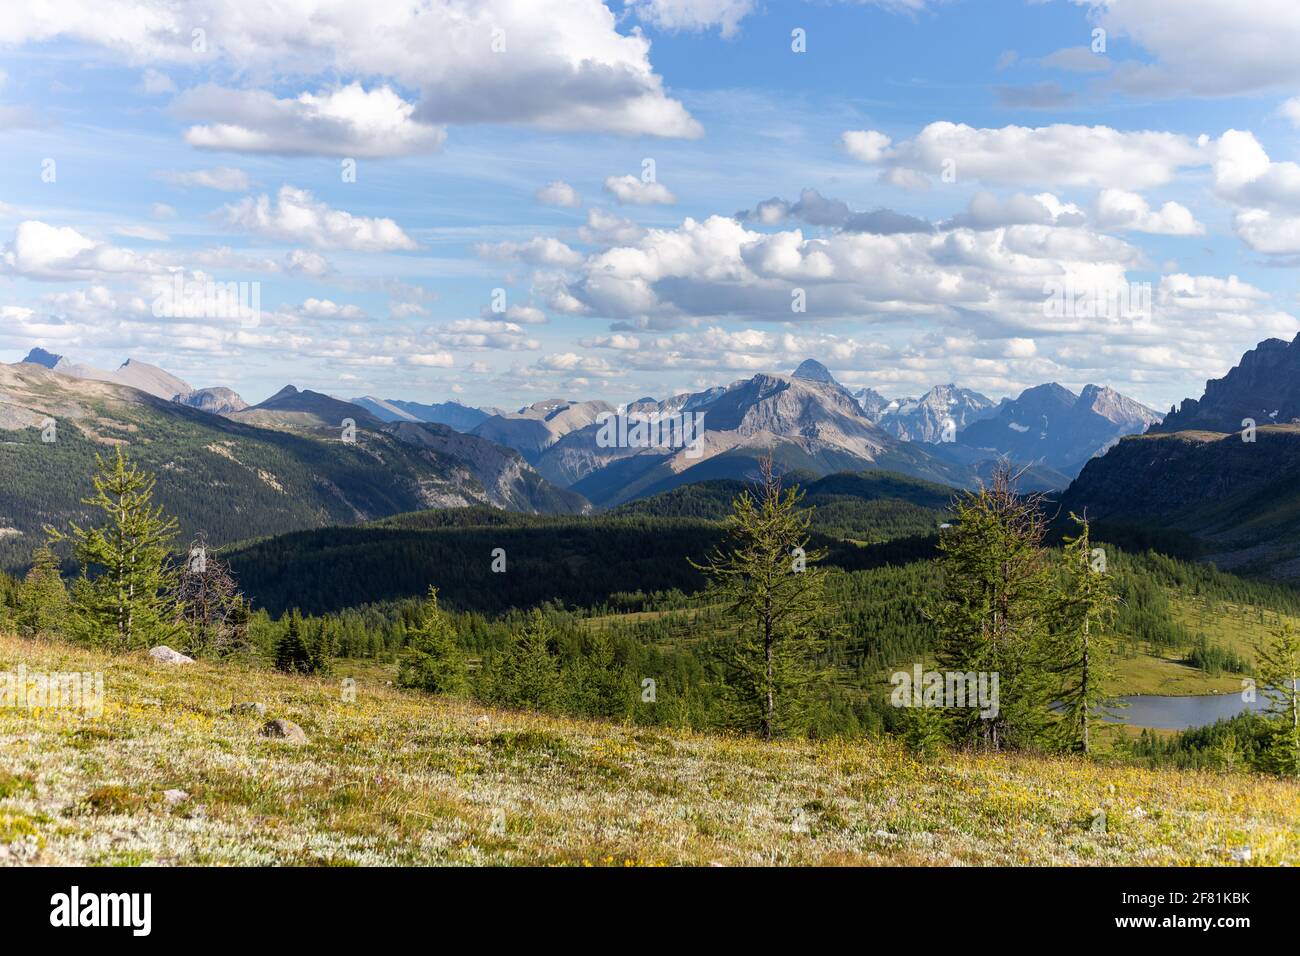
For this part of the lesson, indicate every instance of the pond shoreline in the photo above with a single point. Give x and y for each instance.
(1182, 712)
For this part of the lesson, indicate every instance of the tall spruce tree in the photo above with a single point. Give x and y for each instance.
(767, 578)
(527, 674)
(42, 597)
(1278, 673)
(598, 683)
(994, 609)
(124, 599)
(322, 648)
(433, 660)
(291, 653)
(1082, 639)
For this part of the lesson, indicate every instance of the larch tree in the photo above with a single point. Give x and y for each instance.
(291, 653)
(433, 660)
(993, 609)
(767, 577)
(1082, 640)
(1278, 673)
(42, 597)
(124, 598)
(527, 674)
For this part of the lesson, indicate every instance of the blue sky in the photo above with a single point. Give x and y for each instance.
(954, 159)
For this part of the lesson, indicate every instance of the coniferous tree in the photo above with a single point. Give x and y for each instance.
(923, 729)
(773, 591)
(1278, 666)
(527, 674)
(291, 654)
(1082, 643)
(322, 648)
(433, 660)
(42, 597)
(994, 608)
(599, 684)
(124, 598)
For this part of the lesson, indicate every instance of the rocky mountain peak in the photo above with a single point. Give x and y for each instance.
(1112, 406)
(1263, 386)
(925, 418)
(814, 371)
(1049, 392)
(872, 403)
(38, 356)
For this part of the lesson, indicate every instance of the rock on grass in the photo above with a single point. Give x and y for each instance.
(165, 655)
(286, 730)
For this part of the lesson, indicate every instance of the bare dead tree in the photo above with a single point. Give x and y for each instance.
(212, 607)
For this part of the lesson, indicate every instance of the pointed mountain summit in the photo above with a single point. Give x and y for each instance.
(151, 379)
(811, 370)
(1050, 424)
(283, 395)
(1117, 408)
(291, 408)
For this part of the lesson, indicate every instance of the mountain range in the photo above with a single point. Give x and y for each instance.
(553, 456)
(463, 418)
(1197, 484)
(280, 466)
(809, 425)
(535, 428)
(1051, 425)
(925, 418)
(1047, 428)
(145, 377)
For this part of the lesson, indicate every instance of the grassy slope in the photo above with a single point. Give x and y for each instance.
(1163, 672)
(398, 778)
(1231, 626)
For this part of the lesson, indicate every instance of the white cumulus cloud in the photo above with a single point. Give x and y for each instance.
(295, 215)
(1057, 155)
(636, 192)
(559, 193)
(1122, 210)
(349, 121)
